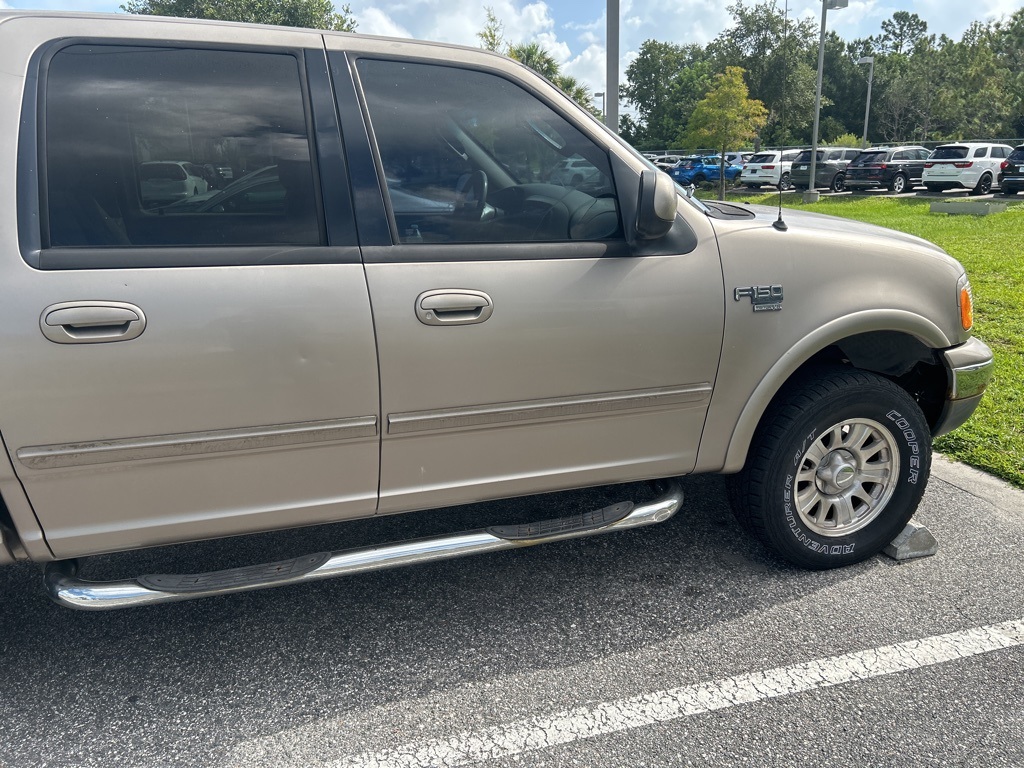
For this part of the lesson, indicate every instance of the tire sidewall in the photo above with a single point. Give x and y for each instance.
(908, 431)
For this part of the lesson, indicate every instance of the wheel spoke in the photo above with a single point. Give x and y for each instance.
(858, 435)
(844, 511)
(874, 474)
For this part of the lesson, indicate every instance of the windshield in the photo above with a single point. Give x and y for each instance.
(949, 153)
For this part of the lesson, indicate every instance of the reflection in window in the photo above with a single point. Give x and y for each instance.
(171, 147)
(472, 157)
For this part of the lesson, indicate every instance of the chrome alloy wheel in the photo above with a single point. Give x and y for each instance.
(846, 477)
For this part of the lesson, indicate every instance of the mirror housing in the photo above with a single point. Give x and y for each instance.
(656, 205)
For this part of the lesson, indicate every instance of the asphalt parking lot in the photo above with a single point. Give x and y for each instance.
(680, 644)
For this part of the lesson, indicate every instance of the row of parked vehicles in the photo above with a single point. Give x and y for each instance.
(978, 167)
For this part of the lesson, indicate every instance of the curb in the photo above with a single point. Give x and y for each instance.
(998, 493)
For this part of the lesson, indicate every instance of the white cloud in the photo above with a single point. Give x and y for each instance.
(374, 21)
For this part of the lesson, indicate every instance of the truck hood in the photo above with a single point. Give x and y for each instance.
(844, 232)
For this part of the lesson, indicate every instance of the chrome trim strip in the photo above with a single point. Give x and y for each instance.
(64, 587)
(971, 380)
(530, 410)
(195, 443)
(970, 368)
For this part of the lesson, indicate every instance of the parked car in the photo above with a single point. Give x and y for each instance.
(163, 181)
(830, 168)
(898, 169)
(738, 158)
(575, 172)
(666, 161)
(769, 168)
(698, 170)
(409, 314)
(1011, 177)
(974, 166)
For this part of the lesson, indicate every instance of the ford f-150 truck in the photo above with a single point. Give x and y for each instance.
(391, 306)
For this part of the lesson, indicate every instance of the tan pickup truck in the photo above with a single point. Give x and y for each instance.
(370, 288)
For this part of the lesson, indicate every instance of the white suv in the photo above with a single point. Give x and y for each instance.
(771, 167)
(969, 165)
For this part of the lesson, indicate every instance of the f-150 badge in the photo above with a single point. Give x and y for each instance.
(764, 298)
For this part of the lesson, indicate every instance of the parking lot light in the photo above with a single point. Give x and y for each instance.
(811, 195)
(867, 109)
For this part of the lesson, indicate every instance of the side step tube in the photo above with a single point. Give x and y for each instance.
(66, 588)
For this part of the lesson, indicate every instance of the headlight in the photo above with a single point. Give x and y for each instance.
(965, 300)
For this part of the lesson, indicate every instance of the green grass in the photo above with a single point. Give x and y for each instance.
(990, 248)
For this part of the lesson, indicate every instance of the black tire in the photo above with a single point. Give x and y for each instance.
(752, 186)
(839, 439)
(838, 182)
(700, 178)
(898, 185)
(800, 187)
(785, 183)
(1008, 192)
(984, 185)
(934, 188)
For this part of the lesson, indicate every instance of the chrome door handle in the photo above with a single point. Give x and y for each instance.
(453, 306)
(91, 322)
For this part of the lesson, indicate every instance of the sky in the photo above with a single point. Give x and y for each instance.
(573, 31)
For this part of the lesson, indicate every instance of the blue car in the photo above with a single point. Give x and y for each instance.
(695, 170)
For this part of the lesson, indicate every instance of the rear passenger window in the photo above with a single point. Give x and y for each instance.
(176, 147)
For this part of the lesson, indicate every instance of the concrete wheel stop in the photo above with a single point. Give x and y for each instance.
(914, 542)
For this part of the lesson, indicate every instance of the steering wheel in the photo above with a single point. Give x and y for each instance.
(471, 195)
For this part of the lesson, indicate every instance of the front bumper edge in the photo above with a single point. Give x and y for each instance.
(969, 368)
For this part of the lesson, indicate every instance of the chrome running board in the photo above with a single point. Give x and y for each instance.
(64, 586)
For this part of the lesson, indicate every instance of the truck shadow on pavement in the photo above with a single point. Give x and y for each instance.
(211, 673)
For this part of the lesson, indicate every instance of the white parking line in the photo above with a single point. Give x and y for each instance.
(637, 712)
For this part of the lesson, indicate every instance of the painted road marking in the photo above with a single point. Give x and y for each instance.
(639, 711)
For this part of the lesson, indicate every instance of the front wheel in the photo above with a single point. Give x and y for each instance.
(984, 185)
(836, 469)
(838, 182)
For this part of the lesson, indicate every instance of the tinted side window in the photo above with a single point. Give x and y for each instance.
(1017, 156)
(922, 154)
(472, 157)
(998, 151)
(175, 147)
(980, 152)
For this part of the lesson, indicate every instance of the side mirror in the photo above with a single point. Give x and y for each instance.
(656, 205)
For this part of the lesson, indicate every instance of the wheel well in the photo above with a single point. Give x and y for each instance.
(899, 357)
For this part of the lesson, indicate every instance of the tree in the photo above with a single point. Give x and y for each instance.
(780, 58)
(316, 14)
(492, 36)
(901, 33)
(725, 119)
(664, 82)
(536, 58)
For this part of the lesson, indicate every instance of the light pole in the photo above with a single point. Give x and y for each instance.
(601, 96)
(611, 116)
(867, 110)
(811, 195)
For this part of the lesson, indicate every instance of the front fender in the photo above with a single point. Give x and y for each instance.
(735, 413)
